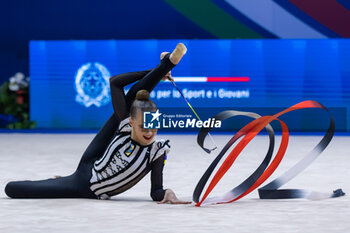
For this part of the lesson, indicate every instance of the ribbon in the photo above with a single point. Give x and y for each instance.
(265, 169)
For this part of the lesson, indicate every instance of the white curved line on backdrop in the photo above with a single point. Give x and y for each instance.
(272, 17)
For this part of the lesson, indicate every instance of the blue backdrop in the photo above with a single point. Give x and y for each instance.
(264, 76)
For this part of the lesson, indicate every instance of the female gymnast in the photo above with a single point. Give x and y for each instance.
(122, 152)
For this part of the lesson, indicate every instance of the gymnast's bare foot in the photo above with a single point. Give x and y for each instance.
(178, 53)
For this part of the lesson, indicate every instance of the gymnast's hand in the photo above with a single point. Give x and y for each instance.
(171, 198)
(168, 77)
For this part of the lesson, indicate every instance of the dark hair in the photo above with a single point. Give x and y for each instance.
(143, 103)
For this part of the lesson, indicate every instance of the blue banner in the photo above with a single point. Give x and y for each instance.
(69, 86)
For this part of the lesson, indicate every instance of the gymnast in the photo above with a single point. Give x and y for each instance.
(122, 152)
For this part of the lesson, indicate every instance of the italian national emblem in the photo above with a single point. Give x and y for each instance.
(92, 85)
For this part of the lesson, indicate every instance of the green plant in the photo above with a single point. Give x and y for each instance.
(14, 101)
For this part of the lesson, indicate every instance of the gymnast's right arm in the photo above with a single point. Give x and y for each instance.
(117, 84)
(148, 80)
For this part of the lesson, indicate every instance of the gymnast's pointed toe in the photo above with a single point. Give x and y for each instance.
(178, 53)
(10, 189)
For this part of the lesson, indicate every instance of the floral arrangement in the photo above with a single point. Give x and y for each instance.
(14, 103)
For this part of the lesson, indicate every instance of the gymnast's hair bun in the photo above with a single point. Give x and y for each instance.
(142, 95)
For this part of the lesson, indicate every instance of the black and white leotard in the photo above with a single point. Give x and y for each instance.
(124, 163)
(105, 168)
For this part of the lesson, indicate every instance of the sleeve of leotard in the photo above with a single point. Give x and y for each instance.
(150, 80)
(117, 84)
(157, 191)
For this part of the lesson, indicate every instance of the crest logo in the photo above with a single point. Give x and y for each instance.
(92, 85)
(129, 150)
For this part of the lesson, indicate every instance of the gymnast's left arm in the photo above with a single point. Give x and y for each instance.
(157, 191)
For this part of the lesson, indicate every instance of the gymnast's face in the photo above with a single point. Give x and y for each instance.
(143, 136)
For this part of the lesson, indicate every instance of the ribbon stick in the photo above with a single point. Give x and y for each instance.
(188, 103)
